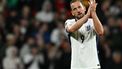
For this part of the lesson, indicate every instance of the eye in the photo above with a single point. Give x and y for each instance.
(74, 8)
(79, 6)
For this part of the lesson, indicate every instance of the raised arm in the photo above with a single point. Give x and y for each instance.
(97, 24)
(78, 24)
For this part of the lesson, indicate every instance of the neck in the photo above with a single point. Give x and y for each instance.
(76, 19)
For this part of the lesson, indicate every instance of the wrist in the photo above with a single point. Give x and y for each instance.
(93, 14)
(87, 15)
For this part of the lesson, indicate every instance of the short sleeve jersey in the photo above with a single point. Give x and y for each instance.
(83, 45)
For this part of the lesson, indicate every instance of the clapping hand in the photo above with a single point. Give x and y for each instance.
(92, 7)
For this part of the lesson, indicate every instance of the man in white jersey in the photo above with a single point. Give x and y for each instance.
(82, 30)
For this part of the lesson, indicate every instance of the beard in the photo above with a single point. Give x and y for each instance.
(80, 15)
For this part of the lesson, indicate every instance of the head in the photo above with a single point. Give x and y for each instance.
(11, 52)
(77, 9)
(11, 39)
(117, 57)
(30, 40)
(34, 50)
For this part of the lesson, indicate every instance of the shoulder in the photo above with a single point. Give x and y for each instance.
(27, 58)
(70, 21)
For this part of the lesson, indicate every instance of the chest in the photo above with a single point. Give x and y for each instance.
(86, 29)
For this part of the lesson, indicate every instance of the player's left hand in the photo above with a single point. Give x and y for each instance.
(93, 5)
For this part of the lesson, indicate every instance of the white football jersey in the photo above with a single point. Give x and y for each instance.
(83, 45)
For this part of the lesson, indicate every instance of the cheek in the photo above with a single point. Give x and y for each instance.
(82, 10)
(74, 13)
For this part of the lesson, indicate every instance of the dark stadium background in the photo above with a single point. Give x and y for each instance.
(32, 34)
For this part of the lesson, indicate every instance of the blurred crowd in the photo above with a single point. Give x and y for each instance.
(32, 34)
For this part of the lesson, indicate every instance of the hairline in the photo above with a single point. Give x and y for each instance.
(77, 1)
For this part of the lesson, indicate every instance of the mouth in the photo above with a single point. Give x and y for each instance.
(79, 13)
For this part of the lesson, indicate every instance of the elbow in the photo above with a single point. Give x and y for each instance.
(71, 30)
(101, 33)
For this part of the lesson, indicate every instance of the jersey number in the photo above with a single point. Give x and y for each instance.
(82, 38)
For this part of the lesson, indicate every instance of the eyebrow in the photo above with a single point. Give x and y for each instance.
(73, 8)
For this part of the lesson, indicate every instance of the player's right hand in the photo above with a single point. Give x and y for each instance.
(89, 10)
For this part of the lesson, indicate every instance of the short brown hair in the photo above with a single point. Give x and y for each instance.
(82, 1)
(72, 1)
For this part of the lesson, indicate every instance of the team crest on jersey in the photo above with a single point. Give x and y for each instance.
(88, 27)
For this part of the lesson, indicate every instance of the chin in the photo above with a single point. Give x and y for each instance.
(80, 16)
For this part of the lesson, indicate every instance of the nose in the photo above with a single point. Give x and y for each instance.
(78, 9)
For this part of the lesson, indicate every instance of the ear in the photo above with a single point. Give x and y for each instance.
(72, 13)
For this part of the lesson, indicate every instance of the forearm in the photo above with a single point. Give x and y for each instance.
(97, 25)
(78, 24)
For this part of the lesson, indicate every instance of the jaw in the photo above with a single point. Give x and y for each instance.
(80, 16)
